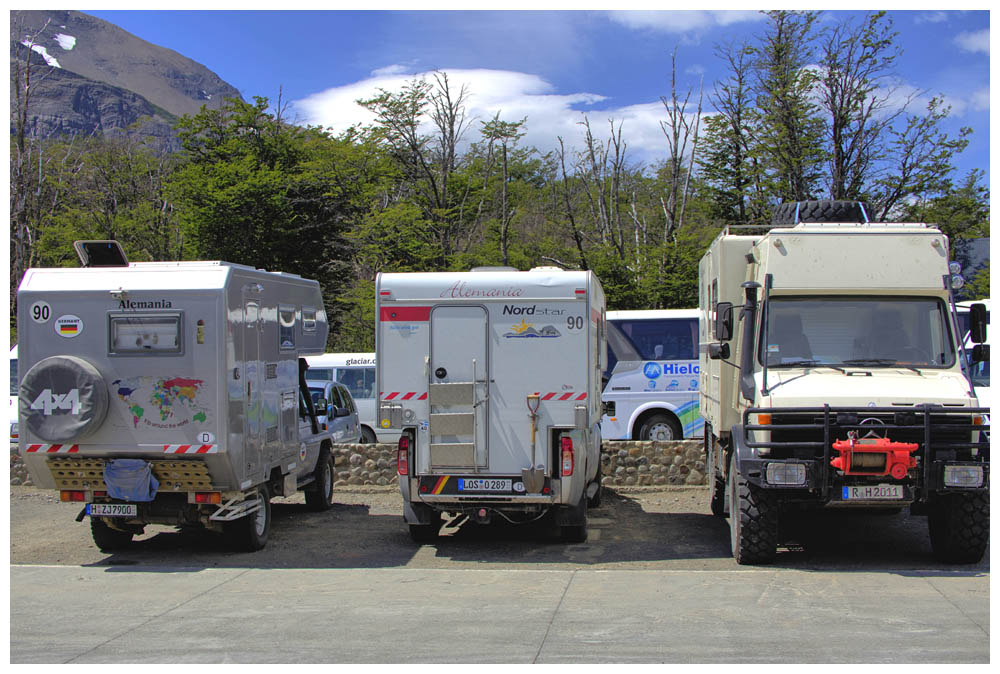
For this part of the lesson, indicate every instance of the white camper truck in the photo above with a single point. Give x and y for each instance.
(171, 393)
(494, 379)
(831, 377)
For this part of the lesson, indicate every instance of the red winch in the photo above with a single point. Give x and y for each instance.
(874, 456)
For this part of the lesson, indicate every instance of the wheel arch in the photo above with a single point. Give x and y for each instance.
(647, 410)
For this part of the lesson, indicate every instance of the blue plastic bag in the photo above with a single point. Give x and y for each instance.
(130, 480)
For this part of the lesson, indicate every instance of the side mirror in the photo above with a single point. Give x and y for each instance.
(321, 404)
(980, 353)
(977, 323)
(723, 329)
(718, 351)
(341, 412)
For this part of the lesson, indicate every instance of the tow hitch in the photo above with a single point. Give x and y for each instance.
(874, 456)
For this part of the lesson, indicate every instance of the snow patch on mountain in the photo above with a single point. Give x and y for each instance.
(39, 49)
(67, 42)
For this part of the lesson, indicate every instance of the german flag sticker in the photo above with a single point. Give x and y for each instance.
(68, 326)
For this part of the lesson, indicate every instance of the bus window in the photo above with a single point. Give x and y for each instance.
(652, 339)
(360, 381)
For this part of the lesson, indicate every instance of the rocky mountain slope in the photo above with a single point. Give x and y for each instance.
(91, 76)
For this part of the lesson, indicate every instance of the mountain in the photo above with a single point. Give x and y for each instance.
(91, 76)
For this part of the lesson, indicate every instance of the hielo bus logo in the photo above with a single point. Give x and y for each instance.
(652, 370)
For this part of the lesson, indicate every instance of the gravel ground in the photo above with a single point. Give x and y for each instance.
(669, 528)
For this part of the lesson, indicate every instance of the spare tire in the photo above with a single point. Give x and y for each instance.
(62, 399)
(794, 212)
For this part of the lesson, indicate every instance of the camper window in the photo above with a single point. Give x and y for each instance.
(308, 319)
(286, 326)
(131, 334)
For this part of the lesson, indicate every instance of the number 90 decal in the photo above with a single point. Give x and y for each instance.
(41, 312)
(574, 323)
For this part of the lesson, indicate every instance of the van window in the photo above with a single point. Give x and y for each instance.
(360, 381)
(308, 319)
(133, 334)
(286, 327)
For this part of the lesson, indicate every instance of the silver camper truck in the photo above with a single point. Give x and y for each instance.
(171, 393)
(493, 377)
(831, 377)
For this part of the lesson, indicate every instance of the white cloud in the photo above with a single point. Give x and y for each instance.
(515, 96)
(980, 99)
(681, 21)
(976, 41)
(931, 17)
(67, 42)
(394, 69)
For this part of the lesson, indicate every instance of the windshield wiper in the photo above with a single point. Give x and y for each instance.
(808, 363)
(889, 362)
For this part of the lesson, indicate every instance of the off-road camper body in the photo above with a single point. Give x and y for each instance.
(831, 376)
(494, 379)
(191, 370)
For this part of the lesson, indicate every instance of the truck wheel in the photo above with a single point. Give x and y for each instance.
(319, 495)
(249, 534)
(821, 211)
(595, 500)
(577, 532)
(106, 538)
(753, 520)
(659, 427)
(716, 485)
(959, 525)
(426, 533)
(367, 436)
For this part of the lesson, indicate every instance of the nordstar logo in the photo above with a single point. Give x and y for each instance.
(511, 310)
(126, 305)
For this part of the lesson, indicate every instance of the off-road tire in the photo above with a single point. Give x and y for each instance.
(595, 500)
(716, 484)
(368, 436)
(672, 427)
(250, 533)
(959, 526)
(426, 533)
(106, 538)
(576, 532)
(319, 495)
(821, 211)
(753, 520)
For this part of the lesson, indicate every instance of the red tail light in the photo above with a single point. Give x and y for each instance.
(208, 497)
(403, 455)
(567, 455)
(72, 495)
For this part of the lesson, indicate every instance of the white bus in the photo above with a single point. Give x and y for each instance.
(356, 371)
(652, 377)
(980, 372)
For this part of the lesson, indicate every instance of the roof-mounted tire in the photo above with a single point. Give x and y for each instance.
(794, 212)
(63, 399)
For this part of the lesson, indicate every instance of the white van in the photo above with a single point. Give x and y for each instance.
(356, 371)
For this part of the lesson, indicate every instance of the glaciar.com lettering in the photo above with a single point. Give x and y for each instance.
(461, 289)
(143, 304)
(530, 310)
(359, 361)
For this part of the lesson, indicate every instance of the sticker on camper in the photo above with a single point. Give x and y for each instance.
(68, 325)
(41, 312)
(525, 330)
(163, 402)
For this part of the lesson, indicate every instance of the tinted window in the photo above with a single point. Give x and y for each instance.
(360, 381)
(652, 339)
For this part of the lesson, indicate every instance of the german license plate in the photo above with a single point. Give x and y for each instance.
(873, 492)
(483, 484)
(112, 509)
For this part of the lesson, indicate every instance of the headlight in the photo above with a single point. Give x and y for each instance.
(963, 476)
(786, 473)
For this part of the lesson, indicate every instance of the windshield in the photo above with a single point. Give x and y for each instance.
(652, 339)
(866, 331)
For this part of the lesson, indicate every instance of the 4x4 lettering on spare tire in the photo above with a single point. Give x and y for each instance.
(47, 401)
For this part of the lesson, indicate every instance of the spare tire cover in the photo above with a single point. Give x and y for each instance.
(62, 398)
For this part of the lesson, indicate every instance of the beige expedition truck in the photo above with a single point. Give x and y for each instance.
(831, 376)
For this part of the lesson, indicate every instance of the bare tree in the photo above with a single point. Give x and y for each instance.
(679, 131)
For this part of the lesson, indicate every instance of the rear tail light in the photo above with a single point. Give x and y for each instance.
(208, 497)
(566, 443)
(403, 455)
(72, 495)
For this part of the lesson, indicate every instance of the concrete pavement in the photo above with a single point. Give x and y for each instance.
(114, 614)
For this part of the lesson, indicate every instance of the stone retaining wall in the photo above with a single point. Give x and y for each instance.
(623, 463)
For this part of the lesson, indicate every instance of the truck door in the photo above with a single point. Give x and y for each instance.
(252, 382)
(458, 388)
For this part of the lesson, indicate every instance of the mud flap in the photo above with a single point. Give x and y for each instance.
(572, 515)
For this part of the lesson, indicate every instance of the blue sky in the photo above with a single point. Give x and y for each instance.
(552, 67)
